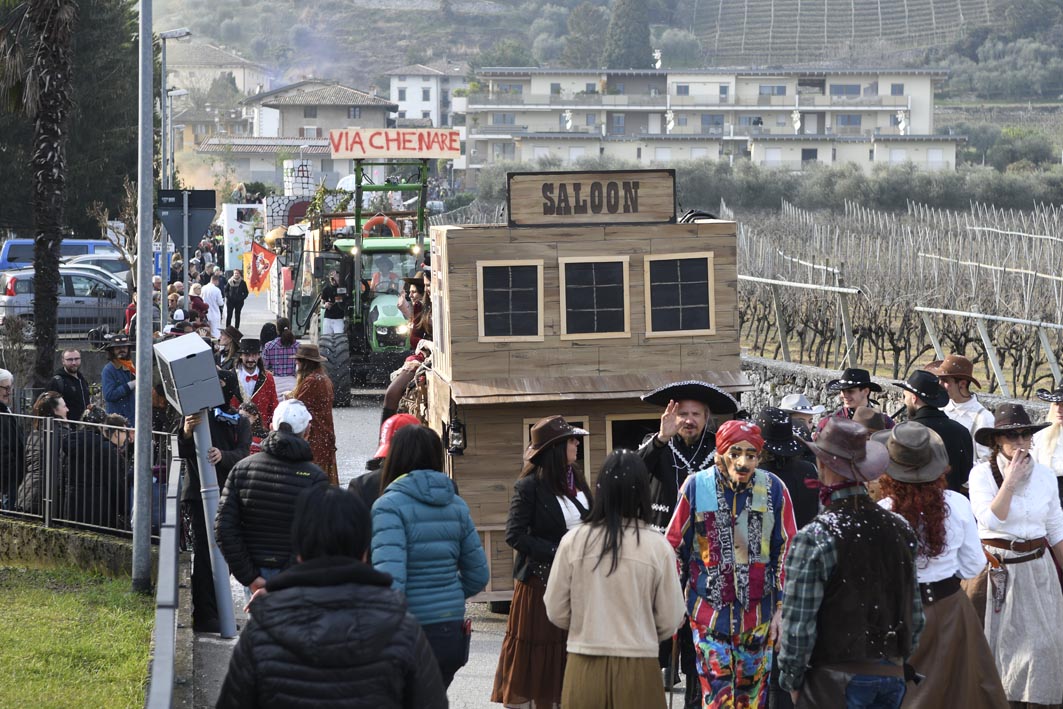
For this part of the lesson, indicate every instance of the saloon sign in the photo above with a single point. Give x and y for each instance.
(618, 197)
(359, 143)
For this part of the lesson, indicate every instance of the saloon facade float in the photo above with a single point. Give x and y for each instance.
(572, 311)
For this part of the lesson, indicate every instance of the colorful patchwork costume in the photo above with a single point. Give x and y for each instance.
(731, 540)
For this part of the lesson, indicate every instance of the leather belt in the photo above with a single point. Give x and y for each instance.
(1016, 544)
(938, 590)
(1036, 546)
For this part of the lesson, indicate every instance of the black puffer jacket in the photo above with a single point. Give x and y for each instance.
(331, 633)
(254, 522)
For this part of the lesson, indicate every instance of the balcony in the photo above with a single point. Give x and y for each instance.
(549, 101)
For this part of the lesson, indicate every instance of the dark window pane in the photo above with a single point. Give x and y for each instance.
(511, 300)
(594, 297)
(679, 295)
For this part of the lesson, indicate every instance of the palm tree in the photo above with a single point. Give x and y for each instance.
(35, 64)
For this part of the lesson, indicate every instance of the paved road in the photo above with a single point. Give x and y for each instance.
(356, 440)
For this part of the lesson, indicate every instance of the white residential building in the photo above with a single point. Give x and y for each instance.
(785, 118)
(427, 90)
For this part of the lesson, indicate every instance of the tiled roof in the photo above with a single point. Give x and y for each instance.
(264, 146)
(437, 68)
(516, 71)
(179, 54)
(193, 115)
(330, 95)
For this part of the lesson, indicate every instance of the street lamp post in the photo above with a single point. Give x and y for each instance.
(179, 33)
(170, 167)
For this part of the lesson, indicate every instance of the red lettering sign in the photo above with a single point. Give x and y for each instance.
(395, 142)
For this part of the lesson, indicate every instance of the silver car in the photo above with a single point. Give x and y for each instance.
(86, 301)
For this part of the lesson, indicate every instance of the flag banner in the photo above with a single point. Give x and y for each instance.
(261, 261)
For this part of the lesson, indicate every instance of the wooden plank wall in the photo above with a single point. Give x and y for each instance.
(471, 360)
(485, 474)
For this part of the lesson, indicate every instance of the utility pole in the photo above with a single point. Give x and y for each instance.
(142, 448)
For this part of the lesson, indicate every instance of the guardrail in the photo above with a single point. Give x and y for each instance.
(162, 674)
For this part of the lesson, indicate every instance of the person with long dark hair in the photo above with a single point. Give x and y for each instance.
(614, 587)
(423, 535)
(1016, 503)
(550, 498)
(50, 404)
(279, 355)
(416, 306)
(952, 651)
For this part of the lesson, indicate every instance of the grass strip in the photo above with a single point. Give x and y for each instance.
(72, 639)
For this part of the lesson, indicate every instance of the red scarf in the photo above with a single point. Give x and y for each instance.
(126, 364)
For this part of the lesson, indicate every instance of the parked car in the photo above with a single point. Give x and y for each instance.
(97, 271)
(86, 300)
(18, 253)
(111, 262)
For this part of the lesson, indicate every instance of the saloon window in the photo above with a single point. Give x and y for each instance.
(679, 295)
(510, 295)
(594, 298)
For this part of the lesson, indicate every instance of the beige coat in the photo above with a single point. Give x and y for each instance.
(623, 614)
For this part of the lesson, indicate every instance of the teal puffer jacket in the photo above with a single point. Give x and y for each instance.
(424, 537)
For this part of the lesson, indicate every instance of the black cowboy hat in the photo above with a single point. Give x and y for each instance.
(1055, 396)
(927, 387)
(778, 432)
(250, 345)
(1007, 418)
(118, 340)
(853, 378)
(718, 401)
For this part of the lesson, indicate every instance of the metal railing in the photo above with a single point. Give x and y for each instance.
(980, 320)
(167, 595)
(75, 473)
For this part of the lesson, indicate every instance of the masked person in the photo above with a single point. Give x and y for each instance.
(683, 445)
(731, 529)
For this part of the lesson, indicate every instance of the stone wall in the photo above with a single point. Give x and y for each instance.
(772, 380)
(35, 545)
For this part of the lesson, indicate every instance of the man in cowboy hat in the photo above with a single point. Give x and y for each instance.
(682, 446)
(956, 374)
(731, 529)
(924, 397)
(784, 456)
(119, 379)
(852, 612)
(256, 384)
(854, 389)
(801, 411)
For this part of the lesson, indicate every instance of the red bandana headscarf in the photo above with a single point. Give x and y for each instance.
(732, 432)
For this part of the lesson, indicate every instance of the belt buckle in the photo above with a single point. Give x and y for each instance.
(1011, 544)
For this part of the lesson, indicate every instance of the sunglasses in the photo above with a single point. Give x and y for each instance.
(1017, 435)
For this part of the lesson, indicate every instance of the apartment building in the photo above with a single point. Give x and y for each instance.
(425, 91)
(786, 118)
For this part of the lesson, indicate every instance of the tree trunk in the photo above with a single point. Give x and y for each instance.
(52, 22)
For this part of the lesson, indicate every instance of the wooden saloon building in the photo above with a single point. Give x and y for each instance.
(590, 296)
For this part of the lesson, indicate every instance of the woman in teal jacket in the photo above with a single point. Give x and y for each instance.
(424, 537)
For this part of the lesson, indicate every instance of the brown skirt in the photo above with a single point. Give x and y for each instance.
(612, 683)
(955, 658)
(531, 667)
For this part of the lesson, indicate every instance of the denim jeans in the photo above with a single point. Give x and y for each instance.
(448, 645)
(874, 692)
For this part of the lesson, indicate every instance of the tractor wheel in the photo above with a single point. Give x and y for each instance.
(335, 350)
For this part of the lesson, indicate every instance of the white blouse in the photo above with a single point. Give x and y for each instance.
(963, 555)
(571, 512)
(1055, 459)
(1034, 513)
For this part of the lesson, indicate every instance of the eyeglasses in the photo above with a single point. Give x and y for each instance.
(1017, 435)
(6, 387)
(71, 359)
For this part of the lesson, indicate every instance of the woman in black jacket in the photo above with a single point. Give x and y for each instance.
(329, 631)
(50, 404)
(97, 482)
(550, 498)
(234, 298)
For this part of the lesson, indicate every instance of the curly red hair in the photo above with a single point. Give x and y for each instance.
(923, 506)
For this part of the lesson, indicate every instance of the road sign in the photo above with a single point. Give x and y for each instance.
(201, 212)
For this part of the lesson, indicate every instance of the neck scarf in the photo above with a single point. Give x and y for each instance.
(570, 483)
(826, 491)
(126, 364)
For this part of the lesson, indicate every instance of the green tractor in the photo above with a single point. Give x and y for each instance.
(370, 268)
